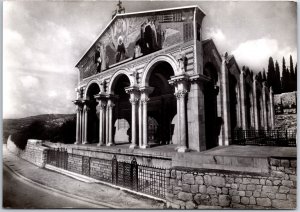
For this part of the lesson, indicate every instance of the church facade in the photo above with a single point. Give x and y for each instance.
(150, 79)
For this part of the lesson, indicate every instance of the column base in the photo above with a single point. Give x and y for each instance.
(99, 144)
(77, 142)
(145, 147)
(133, 146)
(110, 144)
(85, 142)
(182, 149)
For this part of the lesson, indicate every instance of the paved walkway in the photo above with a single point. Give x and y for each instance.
(94, 193)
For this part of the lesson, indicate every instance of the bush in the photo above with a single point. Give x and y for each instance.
(36, 130)
(65, 133)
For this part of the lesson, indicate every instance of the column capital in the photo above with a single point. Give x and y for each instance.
(110, 104)
(86, 108)
(102, 104)
(132, 90)
(180, 94)
(78, 102)
(146, 90)
(183, 78)
(100, 96)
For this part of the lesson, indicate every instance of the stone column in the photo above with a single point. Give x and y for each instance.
(85, 123)
(134, 98)
(140, 123)
(145, 91)
(243, 98)
(272, 114)
(181, 114)
(264, 103)
(256, 124)
(226, 101)
(78, 104)
(102, 106)
(78, 113)
(110, 106)
(181, 89)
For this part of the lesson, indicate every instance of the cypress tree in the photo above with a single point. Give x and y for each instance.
(291, 66)
(264, 77)
(277, 84)
(284, 79)
(271, 73)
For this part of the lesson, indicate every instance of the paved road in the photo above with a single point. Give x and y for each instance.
(18, 193)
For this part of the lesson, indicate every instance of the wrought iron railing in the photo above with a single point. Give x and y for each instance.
(145, 179)
(58, 157)
(265, 137)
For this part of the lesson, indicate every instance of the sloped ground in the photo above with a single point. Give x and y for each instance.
(286, 122)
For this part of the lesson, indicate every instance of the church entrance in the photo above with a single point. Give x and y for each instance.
(212, 121)
(161, 106)
(93, 114)
(122, 111)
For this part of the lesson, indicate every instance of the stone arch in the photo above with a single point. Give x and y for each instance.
(90, 83)
(153, 63)
(115, 78)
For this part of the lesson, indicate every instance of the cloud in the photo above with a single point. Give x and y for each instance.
(217, 34)
(30, 82)
(255, 53)
(52, 94)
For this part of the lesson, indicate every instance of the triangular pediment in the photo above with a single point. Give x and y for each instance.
(131, 35)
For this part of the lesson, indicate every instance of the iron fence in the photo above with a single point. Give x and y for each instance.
(58, 157)
(285, 138)
(151, 181)
(145, 179)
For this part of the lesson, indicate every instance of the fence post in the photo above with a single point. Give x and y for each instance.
(134, 174)
(114, 170)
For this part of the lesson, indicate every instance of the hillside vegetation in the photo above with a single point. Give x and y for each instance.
(53, 127)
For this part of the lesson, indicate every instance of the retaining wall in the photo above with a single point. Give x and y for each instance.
(34, 152)
(204, 188)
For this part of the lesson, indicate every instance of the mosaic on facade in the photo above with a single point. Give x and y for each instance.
(132, 37)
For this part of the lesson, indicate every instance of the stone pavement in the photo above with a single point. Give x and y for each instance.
(90, 192)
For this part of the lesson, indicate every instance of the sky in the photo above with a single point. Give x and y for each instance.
(44, 40)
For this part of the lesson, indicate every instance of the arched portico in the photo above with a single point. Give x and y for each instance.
(90, 116)
(116, 76)
(91, 83)
(156, 61)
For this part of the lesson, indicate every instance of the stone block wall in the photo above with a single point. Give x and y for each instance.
(34, 152)
(101, 169)
(191, 189)
(75, 163)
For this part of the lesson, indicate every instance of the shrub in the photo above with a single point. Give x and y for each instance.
(36, 130)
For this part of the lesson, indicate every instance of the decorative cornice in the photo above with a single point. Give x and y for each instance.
(177, 79)
(139, 61)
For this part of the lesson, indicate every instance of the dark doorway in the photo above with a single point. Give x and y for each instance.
(122, 111)
(93, 114)
(162, 105)
(212, 125)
